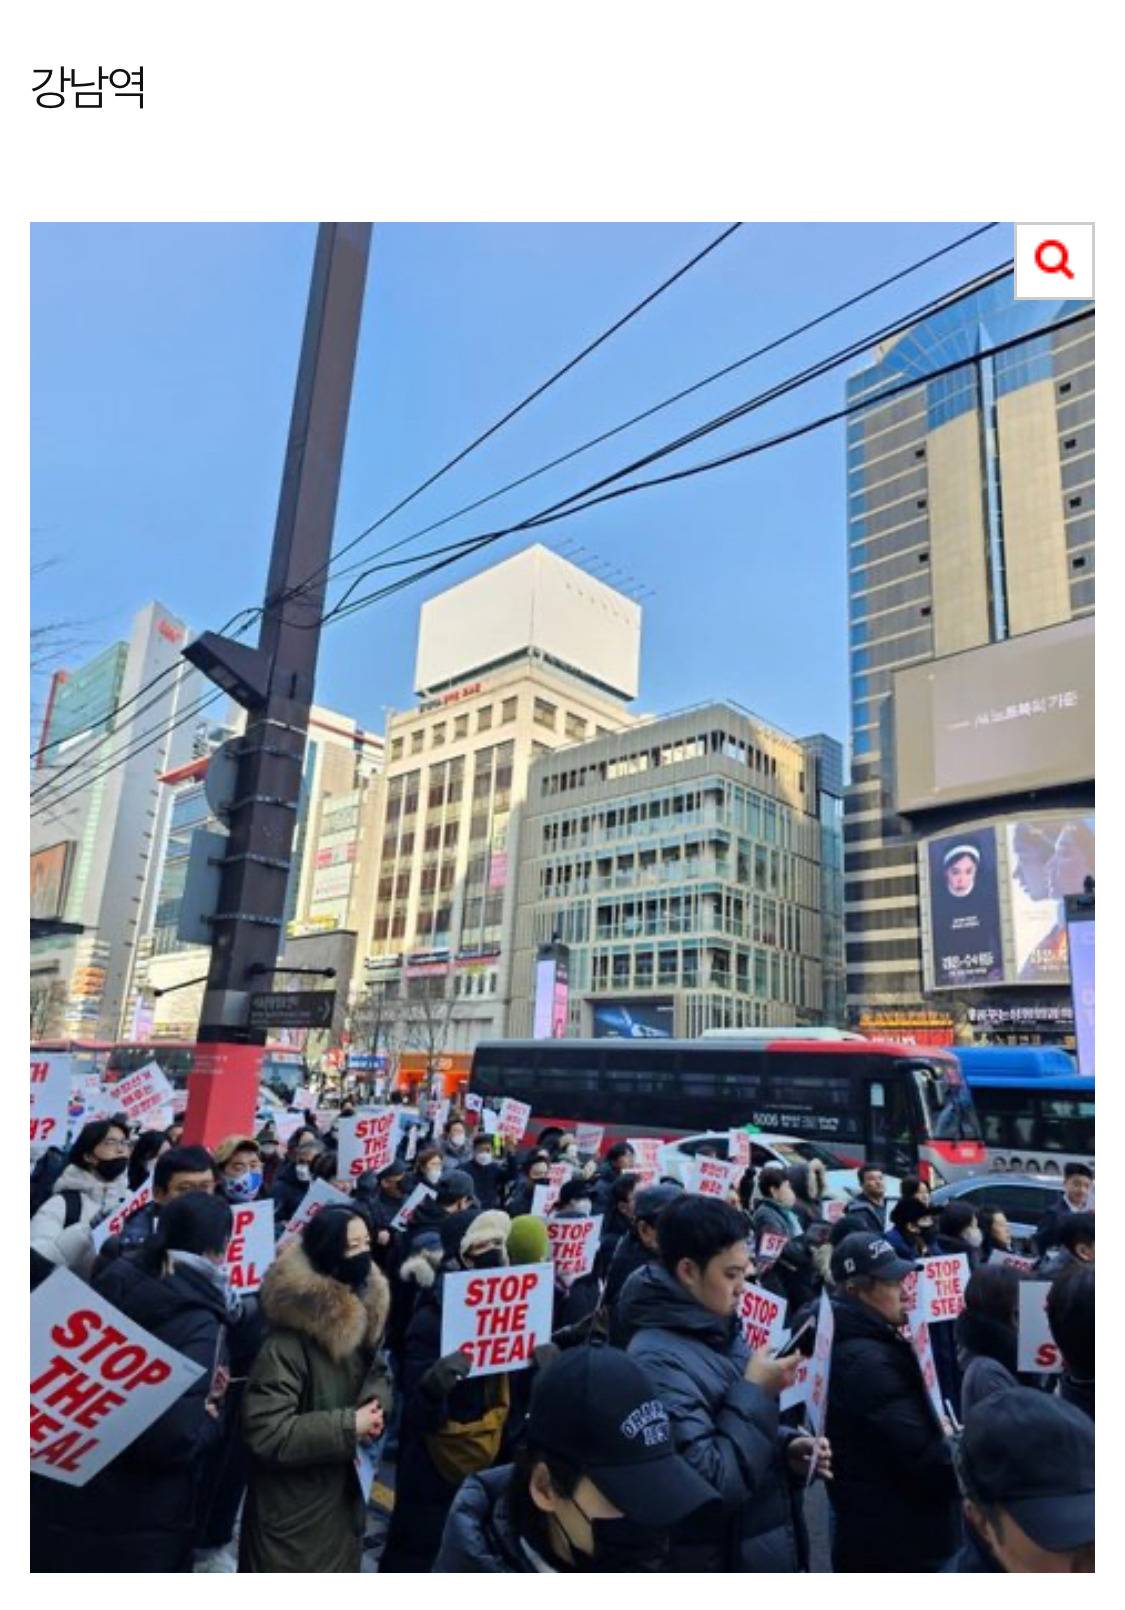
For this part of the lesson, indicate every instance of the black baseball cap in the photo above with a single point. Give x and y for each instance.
(1033, 1454)
(595, 1408)
(872, 1255)
(651, 1200)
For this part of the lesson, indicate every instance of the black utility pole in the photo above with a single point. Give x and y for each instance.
(275, 681)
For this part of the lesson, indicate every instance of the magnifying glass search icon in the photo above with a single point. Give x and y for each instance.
(1059, 264)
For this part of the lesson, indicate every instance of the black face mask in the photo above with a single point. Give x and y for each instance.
(354, 1270)
(620, 1545)
(110, 1168)
(493, 1259)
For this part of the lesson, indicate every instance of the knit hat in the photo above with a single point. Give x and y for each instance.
(492, 1226)
(527, 1240)
(454, 1186)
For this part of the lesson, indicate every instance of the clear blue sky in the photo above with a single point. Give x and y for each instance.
(163, 359)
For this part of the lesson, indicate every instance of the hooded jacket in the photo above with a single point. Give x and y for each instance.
(894, 1492)
(143, 1511)
(986, 1356)
(319, 1362)
(480, 1534)
(72, 1247)
(861, 1214)
(722, 1424)
(793, 1275)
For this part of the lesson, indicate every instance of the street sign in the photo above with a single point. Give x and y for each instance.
(220, 781)
(292, 1009)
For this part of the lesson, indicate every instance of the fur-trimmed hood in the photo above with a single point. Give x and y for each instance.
(422, 1269)
(295, 1297)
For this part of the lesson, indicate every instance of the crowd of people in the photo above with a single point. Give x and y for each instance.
(646, 1435)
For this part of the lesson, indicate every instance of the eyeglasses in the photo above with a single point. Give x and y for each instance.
(111, 1147)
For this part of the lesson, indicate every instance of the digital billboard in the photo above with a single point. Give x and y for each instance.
(965, 932)
(48, 879)
(1002, 719)
(633, 1020)
(552, 992)
(1049, 857)
(1081, 935)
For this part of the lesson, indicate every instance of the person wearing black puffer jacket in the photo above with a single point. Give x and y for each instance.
(722, 1402)
(987, 1335)
(143, 1512)
(789, 1271)
(894, 1493)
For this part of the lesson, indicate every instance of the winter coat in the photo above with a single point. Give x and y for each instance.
(72, 1246)
(523, 1194)
(428, 1215)
(861, 1214)
(972, 1555)
(894, 1493)
(288, 1193)
(142, 1513)
(907, 1247)
(1080, 1393)
(722, 1424)
(628, 1255)
(320, 1360)
(130, 1238)
(1053, 1262)
(422, 1493)
(488, 1180)
(455, 1156)
(810, 1184)
(986, 1356)
(480, 1534)
(1050, 1225)
(793, 1275)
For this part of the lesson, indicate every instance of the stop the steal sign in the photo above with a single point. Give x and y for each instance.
(498, 1318)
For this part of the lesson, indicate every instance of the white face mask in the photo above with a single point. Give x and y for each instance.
(432, 1174)
(973, 1236)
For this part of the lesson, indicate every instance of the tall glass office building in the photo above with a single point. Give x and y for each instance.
(970, 520)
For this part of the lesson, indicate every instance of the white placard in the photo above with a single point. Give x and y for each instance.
(490, 1121)
(771, 1244)
(1014, 1260)
(410, 1207)
(514, 1119)
(712, 1176)
(97, 1380)
(924, 1353)
(286, 1124)
(762, 1317)
(738, 1149)
(145, 1097)
(816, 1402)
(1038, 1352)
(319, 1195)
(366, 1143)
(498, 1317)
(574, 1245)
(473, 1102)
(115, 1223)
(51, 1074)
(251, 1248)
(941, 1290)
(589, 1137)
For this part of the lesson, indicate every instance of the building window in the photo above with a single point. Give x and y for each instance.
(461, 727)
(417, 739)
(575, 725)
(484, 718)
(396, 748)
(438, 736)
(544, 713)
(508, 710)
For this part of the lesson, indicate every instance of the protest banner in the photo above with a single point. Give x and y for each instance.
(647, 1152)
(497, 1319)
(366, 1143)
(286, 1124)
(114, 1222)
(589, 1137)
(712, 1176)
(514, 1118)
(816, 1402)
(924, 1353)
(251, 1247)
(762, 1317)
(440, 1110)
(410, 1207)
(1037, 1351)
(1014, 1260)
(834, 1211)
(574, 1246)
(145, 1097)
(97, 1380)
(51, 1073)
(490, 1121)
(473, 1102)
(738, 1149)
(319, 1195)
(941, 1289)
(771, 1244)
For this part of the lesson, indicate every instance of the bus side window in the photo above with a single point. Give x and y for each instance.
(877, 1096)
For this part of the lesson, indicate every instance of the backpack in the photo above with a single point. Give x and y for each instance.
(43, 1176)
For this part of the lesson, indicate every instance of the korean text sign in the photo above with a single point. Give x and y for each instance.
(497, 1317)
(366, 1142)
(97, 1380)
(589, 1138)
(141, 1096)
(514, 1119)
(51, 1073)
(251, 1247)
(711, 1176)
(574, 1245)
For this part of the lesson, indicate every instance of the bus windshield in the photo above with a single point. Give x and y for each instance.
(946, 1102)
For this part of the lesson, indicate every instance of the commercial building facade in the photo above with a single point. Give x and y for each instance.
(971, 522)
(682, 863)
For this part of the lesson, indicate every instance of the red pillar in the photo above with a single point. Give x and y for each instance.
(222, 1093)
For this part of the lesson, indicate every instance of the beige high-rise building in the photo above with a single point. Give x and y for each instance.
(970, 520)
(529, 655)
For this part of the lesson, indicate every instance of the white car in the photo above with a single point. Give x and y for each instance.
(787, 1150)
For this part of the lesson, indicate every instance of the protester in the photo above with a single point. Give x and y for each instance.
(996, 1232)
(987, 1333)
(575, 1199)
(810, 1186)
(866, 1212)
(635, 1249)
(147, 1147)
(91, 1186)
(912, 1232)
(271, 1157)
(1078, 1179)
(597, 1484)
(619, 1160)
(617, 1221)
(1025, 1465)
(319, 1387)
(451, 1427)
(295, 1175)
(175, 1132)
(790, 1273)
(238, 1168)
(1074, 1243)
(1070, 1315)
(142, 1513)
(894, 1497)
(456, 1148)
(536, 1168)
(487, 1172)
(959, 1232)
(566, 1151)
(912, 1188)
(179, 1171)
(381, 1196)
(685, 1335)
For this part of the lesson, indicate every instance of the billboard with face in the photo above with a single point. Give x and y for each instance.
(1049, 857)
(965, 909)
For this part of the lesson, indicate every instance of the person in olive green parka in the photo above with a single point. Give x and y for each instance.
(318, 1387)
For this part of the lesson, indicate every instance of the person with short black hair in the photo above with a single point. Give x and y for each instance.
(790, 1272)
(293, 1178)
(894, 1497)
(488, 1173)
(866, 1212)
(682, 1316)
(89, 1189)
(1074, 1244)
(913, 1187)
(617, 1222)
(996, 1232)
(987, 1333)
(635, 1249)
(912, 1232)
(1078, 1181)
(597, 1484)
(535, 1171)
(1025, 1467)
(179, 1171)
(1070, 1315)
(618, 1161)
(147, 1147)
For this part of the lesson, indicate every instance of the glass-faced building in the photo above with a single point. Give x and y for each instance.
(970, 520)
